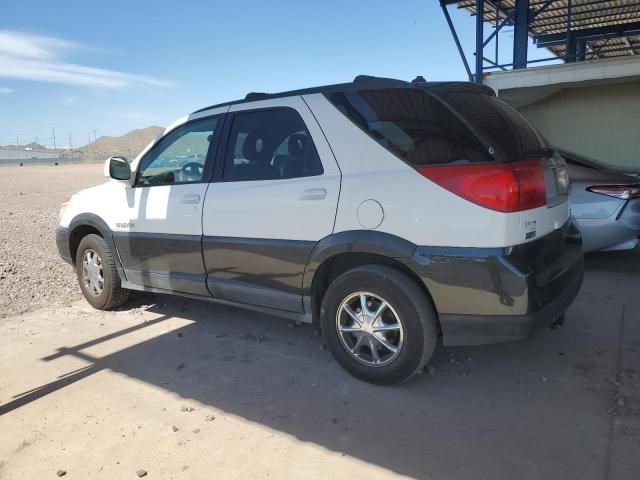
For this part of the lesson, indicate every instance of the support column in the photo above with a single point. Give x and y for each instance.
(479, 39)
(571, 50)
(571, 43)
(521, 34)
(581, 50)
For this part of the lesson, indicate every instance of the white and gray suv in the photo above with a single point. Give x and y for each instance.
(385, 212)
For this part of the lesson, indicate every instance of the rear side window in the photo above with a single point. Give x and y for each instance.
(412, 124)
(508, 133)
(270, 145)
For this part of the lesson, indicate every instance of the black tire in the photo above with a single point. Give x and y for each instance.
(112, 295)
(409, 303)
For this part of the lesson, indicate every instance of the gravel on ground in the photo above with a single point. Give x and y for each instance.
(32, 275)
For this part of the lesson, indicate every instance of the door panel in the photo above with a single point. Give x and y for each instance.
(160, 260)
(259, 271)
(258, 233)
(160, 240)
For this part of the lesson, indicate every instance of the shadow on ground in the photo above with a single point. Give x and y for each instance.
(544, 407)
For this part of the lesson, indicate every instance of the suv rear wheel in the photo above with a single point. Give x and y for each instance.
(97, 274)
(378, 324)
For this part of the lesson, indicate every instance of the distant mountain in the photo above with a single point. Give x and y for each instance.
(30, 146)
(128, 145)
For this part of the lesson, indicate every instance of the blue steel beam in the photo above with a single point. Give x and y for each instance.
(542, 8)
(537, 60)
(571, 41)
(479, 39)
(507, 20)
(443, 4)
(494, 64)
(521, 34)
(581, 50)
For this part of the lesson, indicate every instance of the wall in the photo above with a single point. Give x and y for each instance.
(601, 122)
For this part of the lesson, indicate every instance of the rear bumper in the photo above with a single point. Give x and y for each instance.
(482, 329)
(496, 295)
(62, 242)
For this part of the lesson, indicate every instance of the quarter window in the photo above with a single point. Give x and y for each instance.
(180, 156)
(270, 145)
(415, 126)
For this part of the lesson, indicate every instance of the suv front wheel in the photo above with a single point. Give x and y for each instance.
(379, 324)
(97, 274)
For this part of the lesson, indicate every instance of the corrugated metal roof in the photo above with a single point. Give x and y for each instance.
(585, 14)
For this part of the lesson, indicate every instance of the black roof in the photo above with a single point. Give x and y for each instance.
(361, 82)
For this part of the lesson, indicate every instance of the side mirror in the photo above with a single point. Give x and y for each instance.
(117, 168)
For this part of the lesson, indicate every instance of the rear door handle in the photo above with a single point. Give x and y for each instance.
(313, 194)
(191, 199)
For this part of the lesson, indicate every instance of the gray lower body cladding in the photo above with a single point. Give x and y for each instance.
(495, 295)
(62, 242)
(482, 295)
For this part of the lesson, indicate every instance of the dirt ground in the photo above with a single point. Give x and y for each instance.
(172, 388)
(31, 276)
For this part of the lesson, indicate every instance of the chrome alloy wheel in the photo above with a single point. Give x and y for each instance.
(92, 273)
(369, 329)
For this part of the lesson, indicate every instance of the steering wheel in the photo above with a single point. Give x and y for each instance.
(193, 169)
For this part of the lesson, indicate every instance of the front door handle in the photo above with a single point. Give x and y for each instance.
(313, 194)
(191, 199)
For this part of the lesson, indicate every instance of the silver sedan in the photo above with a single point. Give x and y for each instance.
(605, 203)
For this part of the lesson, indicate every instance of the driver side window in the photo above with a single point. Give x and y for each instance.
(180, 156)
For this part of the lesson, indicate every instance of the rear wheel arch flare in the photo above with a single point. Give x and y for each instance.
(339, 253)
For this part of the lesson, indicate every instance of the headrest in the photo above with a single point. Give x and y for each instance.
(297, 144)
(252, 147)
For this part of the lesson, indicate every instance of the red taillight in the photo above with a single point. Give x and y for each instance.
(624, 192)
(506, 187)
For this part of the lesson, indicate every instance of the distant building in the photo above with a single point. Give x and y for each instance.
(26, 155)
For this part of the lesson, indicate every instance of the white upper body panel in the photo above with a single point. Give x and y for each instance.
(415, 208)
(301, 208)
(367, 187)
(169, 209)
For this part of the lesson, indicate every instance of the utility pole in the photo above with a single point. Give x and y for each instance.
(94, 137)
(53, 132)
(36, 145)
(90, 153)
(17, 143)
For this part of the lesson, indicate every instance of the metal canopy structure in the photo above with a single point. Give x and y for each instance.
(572, 30)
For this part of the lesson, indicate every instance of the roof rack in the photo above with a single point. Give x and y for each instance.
(360, 82)
(255, 96)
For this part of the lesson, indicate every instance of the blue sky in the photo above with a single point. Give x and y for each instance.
(118, 65)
